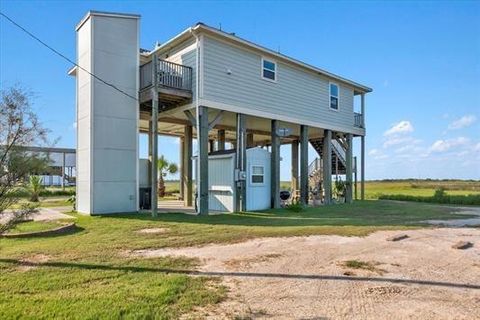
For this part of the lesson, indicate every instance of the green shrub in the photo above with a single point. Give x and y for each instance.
(295, 207)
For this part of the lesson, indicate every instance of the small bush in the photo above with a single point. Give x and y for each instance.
(295, 207)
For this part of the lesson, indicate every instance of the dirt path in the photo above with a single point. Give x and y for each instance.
(420, 277)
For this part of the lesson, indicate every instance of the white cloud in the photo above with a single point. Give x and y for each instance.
(448, 144)
(395, 141)
(477, 147)
(462, 122)
(399, 128)
(373, 152)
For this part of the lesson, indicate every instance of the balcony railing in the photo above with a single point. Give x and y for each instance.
(169, 75)
(358, 120)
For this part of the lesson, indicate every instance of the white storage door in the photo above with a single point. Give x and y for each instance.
(221, 183)
(258, 179)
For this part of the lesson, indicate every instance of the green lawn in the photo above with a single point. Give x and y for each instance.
(89, 275)
(34, 226)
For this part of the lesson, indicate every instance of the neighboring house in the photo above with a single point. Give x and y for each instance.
(210, 85)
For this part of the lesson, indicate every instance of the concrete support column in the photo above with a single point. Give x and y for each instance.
(304, 164)
(362, 164)
(275, 166)
(221, 139)
(349, 171)
(327, 166)
(202, 184)
(250, 143)
(182, 167)
(241, 162)
(154, 146)
(294, 185)
(187, 166)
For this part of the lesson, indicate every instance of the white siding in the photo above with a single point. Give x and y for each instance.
(184, 54)
(298, 94)
(221, 194)
(84, 119)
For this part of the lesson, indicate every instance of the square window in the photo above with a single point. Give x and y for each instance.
(258, 175)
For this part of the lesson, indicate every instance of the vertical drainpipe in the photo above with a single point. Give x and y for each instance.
(197, 111)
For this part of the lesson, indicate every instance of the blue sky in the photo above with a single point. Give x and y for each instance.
(421, 58)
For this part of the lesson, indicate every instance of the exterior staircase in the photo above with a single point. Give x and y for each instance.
(339, 147)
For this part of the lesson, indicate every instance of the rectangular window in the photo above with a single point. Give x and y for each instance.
(334, 96)
(269, 70)
(257, 175)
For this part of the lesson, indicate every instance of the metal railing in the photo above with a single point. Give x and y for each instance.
(358, 120)
(169, 74)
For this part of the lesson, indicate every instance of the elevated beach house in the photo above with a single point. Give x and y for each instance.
(209, 85)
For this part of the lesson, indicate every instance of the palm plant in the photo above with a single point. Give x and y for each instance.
(164, 167)
(35, 185)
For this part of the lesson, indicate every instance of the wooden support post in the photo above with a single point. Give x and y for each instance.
(355, 177)
(349, 160)
(250, 143)
(202, 184)
(275, 166)
(221, 139)
(150, 154)
(304, 164)
(154, 141)
(63, 171)
(294, 185)
(241, 163)
(182, 167)
(327, 166)
(187, 165)
(362, 164)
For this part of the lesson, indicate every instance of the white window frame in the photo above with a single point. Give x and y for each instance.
(251, 175)
(275, 72)
(330, 96)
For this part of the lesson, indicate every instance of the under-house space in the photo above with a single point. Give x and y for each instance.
(240, 101)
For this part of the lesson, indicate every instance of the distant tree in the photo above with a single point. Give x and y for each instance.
(19, 127)
(164, 167)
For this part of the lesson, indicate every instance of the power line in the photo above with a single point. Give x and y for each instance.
(65, 57)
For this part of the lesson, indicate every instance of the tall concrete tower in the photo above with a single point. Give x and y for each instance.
(107, 119)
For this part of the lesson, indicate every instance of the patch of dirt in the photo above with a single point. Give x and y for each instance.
(153, 230)
(247, 262)
(32, 262)
(304, 277)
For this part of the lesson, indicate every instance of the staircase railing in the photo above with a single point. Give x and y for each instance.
(339, 151)
(314, 166)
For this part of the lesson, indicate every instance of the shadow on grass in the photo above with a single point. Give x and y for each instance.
(86, 266)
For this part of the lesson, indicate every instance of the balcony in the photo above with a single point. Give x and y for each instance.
(358, 120)
(174, 82)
